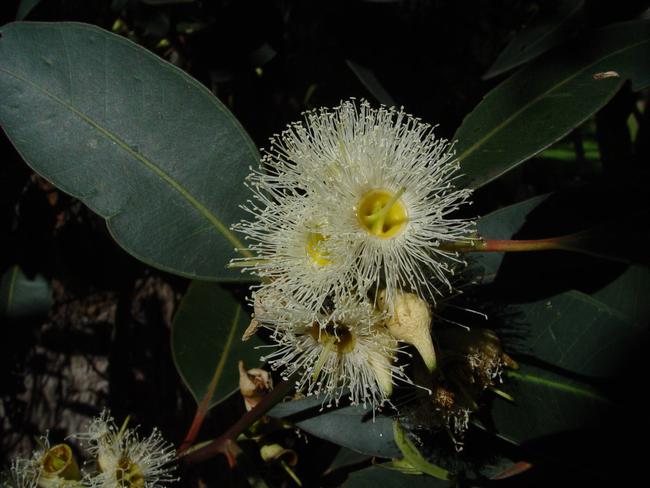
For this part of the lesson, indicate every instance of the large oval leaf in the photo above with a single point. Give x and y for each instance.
(546, 100)
(206, 341)
(140, 142)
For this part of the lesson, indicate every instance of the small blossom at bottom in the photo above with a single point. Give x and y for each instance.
(48, 467)
(126, 459)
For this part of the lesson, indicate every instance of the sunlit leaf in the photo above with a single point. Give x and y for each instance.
(137, 140)
(206, 341)
(22, 297)
(547, 99)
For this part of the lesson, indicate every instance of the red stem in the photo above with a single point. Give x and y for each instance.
(221, 444)
(498, 245)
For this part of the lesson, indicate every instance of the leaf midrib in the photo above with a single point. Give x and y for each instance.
(535, 100)
(556, 385)
(222, 359)
(202, 209)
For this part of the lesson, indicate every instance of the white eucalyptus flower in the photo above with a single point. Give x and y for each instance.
(348, 350)
(292, 253)
(124, 458)
(378, 185)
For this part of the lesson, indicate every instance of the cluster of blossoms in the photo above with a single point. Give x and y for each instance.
(122, 459)
(351, 235)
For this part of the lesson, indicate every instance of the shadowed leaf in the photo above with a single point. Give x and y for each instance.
(544, 101)
(548, 29)
(22, 297)
(206, 341)
(568, 343)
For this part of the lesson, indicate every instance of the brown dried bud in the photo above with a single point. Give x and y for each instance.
(253, 385)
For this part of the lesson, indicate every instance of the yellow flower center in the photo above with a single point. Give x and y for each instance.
(315, 251)
(382, 213)
(129, 475)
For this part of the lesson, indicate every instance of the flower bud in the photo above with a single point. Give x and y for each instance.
(410, 322)
(253, 385)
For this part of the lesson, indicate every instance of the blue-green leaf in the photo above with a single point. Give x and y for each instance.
(353, 427)
(136, 139)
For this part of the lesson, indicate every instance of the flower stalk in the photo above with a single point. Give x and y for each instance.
(562, 243)
(225, 443)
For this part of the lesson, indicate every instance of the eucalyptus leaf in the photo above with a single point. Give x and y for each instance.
(206, 341)
(22, 297)
(384, 477)
(567, 344)
(628, 294)
(25, 7)
(548, 29)
(577, 333)
(345, 458)
(372, 84)
(136, 139)
(547, 99)
(353, 427)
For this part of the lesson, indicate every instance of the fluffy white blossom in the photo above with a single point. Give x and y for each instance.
(375, 188)
(347, 350)
(124, 458)
(293, 254)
